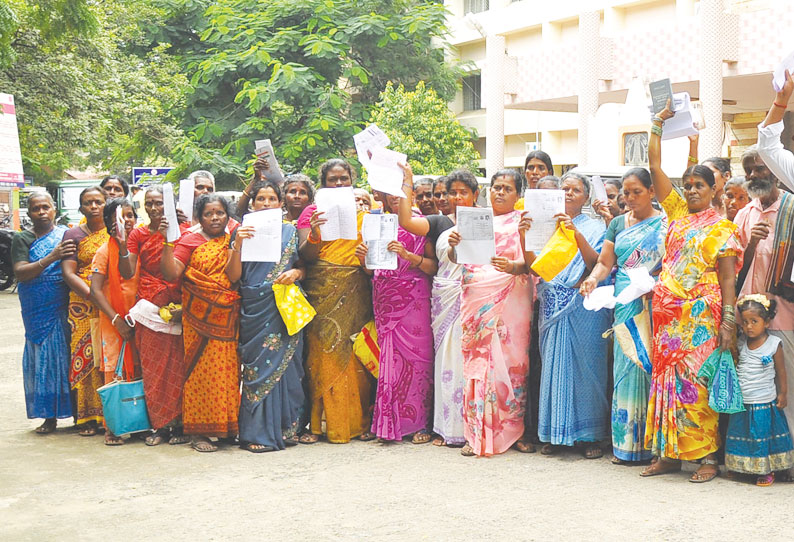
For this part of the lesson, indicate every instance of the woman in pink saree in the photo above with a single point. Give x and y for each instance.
(401, 303)
(495, 311)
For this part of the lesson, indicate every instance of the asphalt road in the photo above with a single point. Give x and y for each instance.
(67, 487)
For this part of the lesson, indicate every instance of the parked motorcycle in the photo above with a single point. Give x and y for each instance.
(6, 267)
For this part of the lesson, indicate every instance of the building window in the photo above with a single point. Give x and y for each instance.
(474, 6)
(471, 92)
(635, 149)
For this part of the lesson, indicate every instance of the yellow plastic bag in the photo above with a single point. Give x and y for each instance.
(293, 306)
(366, 349)
(557, 254)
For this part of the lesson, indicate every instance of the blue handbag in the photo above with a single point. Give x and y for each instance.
(123, 403)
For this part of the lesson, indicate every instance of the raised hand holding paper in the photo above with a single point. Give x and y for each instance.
(384, 173)
(599, 190)
(265, 245)
(119, 221)
(541, 205)
(368, 139)
(779, 77)
(264, 149)
(187, 191)
(475, 225)
(169, 212)
(661, 91)
(682, 124)
(378, 231)
(339, 208)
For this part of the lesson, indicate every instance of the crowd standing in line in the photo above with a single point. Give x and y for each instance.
(480, 357)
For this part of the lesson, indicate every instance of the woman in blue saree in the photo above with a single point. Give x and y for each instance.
(44, 298)
(272, 408)
(573, 394)
(633, 240)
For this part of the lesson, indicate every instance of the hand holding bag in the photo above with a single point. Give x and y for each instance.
(123, 403)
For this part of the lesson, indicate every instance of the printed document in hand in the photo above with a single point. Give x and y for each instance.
(187, 190)
(119, 220)
(384, 173)
(682, 124)
(265, 245)
(541, 205)
(377, 231)
(640, 283)
(339, 206)
(368, 139)
(169, 211)
(602, 297)
(264, 149)
(779, 77)
(661, 91)
(599, 190)
(475, 225)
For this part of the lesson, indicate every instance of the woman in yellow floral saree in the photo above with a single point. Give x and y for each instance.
(695, 289)
(85, 375)
(210, 315)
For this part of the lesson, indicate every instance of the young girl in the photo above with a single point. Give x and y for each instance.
(758, 440)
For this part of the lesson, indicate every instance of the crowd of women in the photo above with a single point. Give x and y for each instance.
(481, 357)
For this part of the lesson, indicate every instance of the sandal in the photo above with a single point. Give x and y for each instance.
(593, 451)
(308, 438)
(366, 436)
(421, 437)
(618, 461)
(203, 444)
(178, 437)
(765, 480)
(467, 451)
(88, 429)
(113, 440)
(548, 449)
(700, 477)
(291, 441)
(256, 448)
(158, 437)
(47, 427)
(524, 446)
(438, 441)
(658, 467)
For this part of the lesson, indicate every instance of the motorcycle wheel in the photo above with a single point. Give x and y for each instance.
(6, 276)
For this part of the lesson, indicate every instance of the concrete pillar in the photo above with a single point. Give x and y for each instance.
(589, 23)
(494, 85)
(711, 18)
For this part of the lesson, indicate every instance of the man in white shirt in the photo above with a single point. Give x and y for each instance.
(765, 226)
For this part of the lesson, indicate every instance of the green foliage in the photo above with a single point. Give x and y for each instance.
(304, 74)
(84, 97)
(420, 124)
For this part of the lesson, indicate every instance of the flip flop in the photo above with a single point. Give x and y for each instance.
(113, 440)
(421, 437)
(467, 451)
(525, 447)
(156, 438)
(766, 480)
(257, 448)
(179, 439)
(366, 436)
(47, 427)
(309, 438)
(696, 476)
(203, 445)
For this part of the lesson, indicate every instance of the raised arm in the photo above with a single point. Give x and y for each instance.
(412, 224)
(661, 182)
(170, 267)
(779, 160)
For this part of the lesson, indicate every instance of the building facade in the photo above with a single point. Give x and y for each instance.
(570, 76)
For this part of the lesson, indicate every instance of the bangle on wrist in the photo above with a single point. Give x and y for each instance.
(113, 321)
(657, 118)
(692, 159)
(168, 244)
(781, 106)
(125, 256)
(41, 264)
(312, 240)
(656, 130)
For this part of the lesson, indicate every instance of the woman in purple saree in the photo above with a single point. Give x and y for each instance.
(401, 302)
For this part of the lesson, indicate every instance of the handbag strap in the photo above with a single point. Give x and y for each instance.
(120, 362)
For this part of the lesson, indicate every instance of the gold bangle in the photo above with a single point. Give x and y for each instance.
(167, 244)
(312, 240)
(693, 159)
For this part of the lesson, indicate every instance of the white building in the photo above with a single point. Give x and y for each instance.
(549, 73)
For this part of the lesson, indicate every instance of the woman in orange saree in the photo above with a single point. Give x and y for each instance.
(340, 292)
(85, 375)
(210, 315)
(114, 297)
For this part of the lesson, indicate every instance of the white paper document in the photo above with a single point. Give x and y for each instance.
(475, 225)
(779, 76)
(368, 139)
(640, 283)
(541, 205)
(119, 220)
(384, 173)
(682, 124)
(187, 190)
(265, 245)
(339, 208)
(169, 212)
(599, 190)
(377, 231)
(264, 149)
